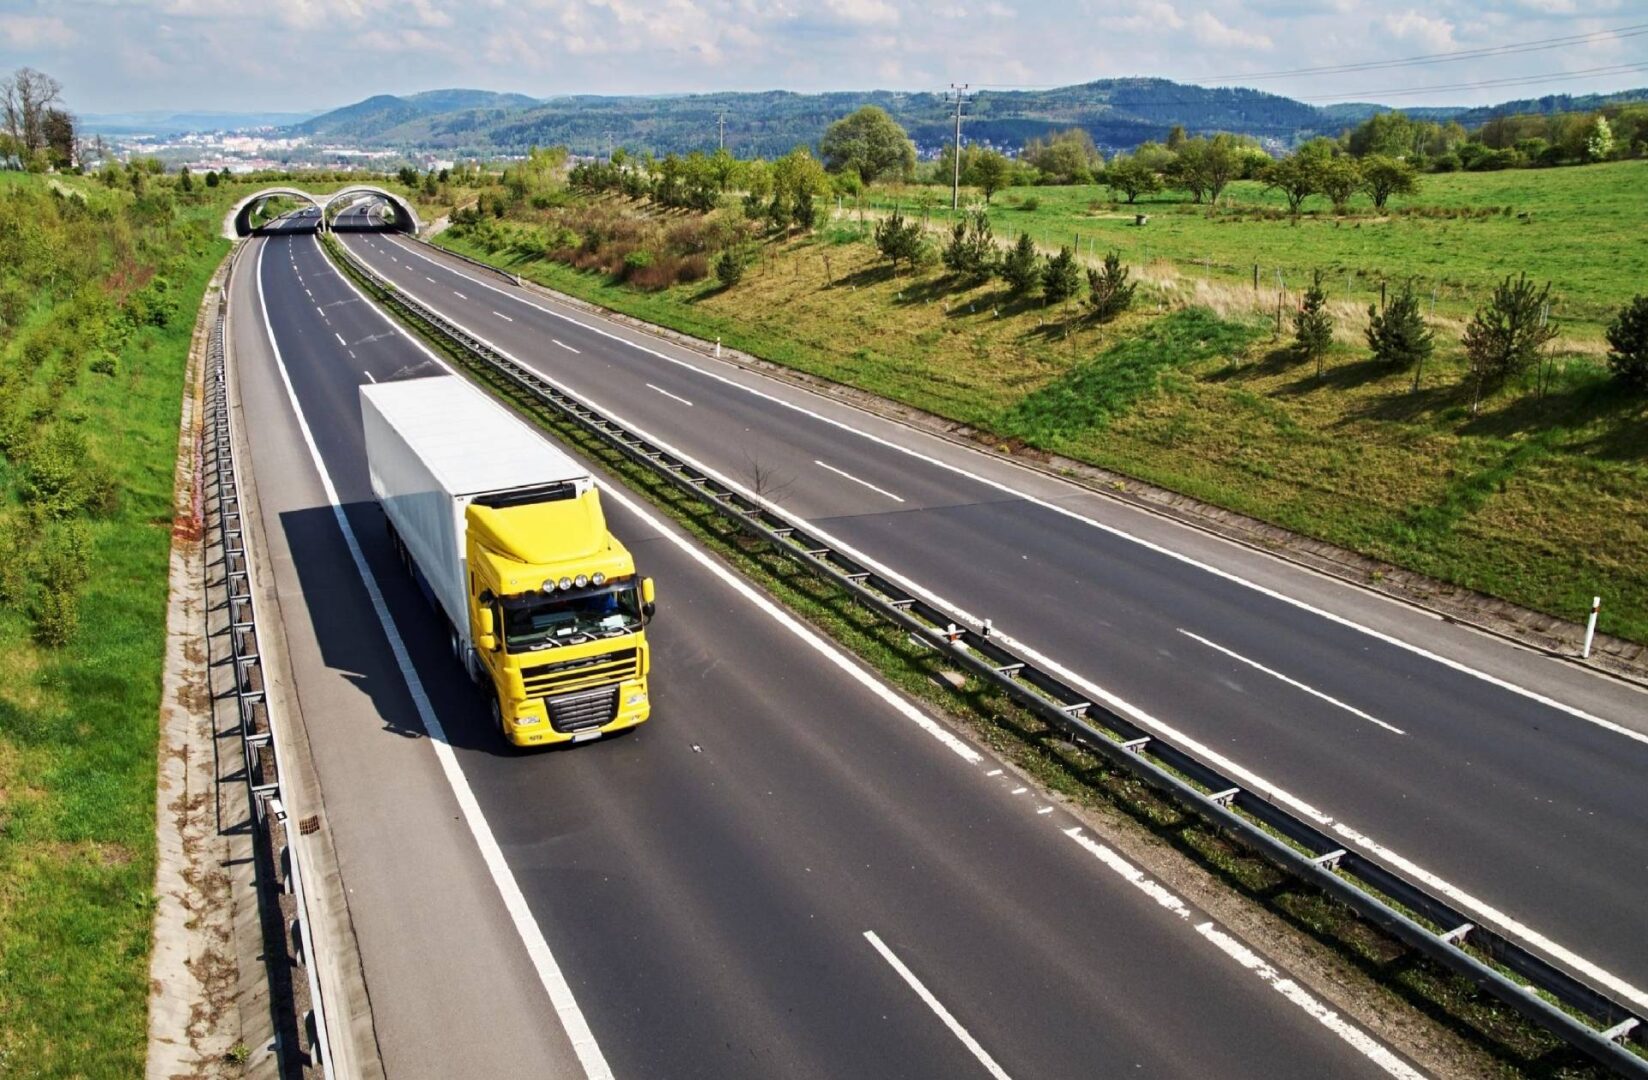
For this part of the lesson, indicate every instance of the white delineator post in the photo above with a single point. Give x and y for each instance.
(1590, 627)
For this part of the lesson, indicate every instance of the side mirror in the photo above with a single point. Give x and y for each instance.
(649, 598)
(488, 642)
(486, 630)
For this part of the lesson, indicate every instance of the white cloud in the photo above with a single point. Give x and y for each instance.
(863, 12)
(1412, 26)
(35, 31)
(1206, 28)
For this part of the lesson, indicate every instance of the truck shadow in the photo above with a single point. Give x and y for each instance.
(352, 640)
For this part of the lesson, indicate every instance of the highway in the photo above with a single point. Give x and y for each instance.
(790, 871)
(1508, 780)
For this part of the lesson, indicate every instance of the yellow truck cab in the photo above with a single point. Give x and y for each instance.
(507, 537)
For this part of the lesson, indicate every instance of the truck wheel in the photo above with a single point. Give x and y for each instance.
(498, 719)
(457, 645)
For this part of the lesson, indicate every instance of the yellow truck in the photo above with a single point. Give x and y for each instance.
(505, 535)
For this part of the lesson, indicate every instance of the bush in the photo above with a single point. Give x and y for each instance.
(1020, 266)
(62, 563)
(1628, 337)
(1031, 205)
(971, 253)
(899, 240)
(1109, 292)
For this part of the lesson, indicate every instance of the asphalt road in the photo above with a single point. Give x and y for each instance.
(1535, 818)
(709, 883)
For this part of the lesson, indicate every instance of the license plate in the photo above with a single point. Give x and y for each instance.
(586, 736)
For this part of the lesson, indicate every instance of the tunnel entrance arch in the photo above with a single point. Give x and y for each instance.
(238, 222)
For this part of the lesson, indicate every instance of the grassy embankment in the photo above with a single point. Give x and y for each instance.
(98, 296)
(1540, 499)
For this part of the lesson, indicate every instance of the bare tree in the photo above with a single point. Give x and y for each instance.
(25, 98)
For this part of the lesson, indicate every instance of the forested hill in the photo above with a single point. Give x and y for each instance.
(1119, 113)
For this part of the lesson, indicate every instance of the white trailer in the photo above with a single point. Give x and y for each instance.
(433, 446)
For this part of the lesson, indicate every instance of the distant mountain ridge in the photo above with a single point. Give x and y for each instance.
(1117, 112)
(166, 122)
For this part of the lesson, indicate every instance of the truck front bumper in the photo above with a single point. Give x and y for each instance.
(527, 723)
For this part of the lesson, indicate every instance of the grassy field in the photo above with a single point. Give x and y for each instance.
(1580, 228)
(1541, 499)
(78, 720)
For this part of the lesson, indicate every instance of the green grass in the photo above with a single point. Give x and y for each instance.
(1583, 232)
(78, 722)
(1540, 499)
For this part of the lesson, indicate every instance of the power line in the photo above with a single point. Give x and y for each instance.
(1521, 80)
(1635, 30)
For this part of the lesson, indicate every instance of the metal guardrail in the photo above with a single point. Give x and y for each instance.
(257, 719)
(1586, 1018)
(513, 279)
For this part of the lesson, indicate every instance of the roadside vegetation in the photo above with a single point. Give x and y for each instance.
(99, 286)
(1479, 432)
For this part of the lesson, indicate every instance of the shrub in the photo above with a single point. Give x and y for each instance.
(971, 253)
(695, 267)
(899, 240)
(1109, 292)
(62, 563)
(1628, 338)
(1031, 205)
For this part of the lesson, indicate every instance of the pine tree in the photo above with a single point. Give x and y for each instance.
(1020, 266)
(899, 240)
(1109, 292)
(971, 253)
(1628, 336)
(1504, 338)
(1061, 278)
(1399, 336)
(1313, 326)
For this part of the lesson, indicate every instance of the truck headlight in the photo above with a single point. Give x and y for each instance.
(598, 579)
(566, 583)
(580, 581)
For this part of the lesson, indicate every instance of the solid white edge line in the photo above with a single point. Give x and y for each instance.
(864, 483)
(1485, 912)
(1359, 1040)
(1302, 605)
(942, 734)
(543, 961)
(938, 1008)
(1295, 683)
(667, 394)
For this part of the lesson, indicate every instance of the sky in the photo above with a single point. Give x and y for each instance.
(115, 56)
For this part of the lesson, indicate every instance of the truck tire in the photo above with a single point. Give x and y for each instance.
(498, 719)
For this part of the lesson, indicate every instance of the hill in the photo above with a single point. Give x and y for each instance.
(1119, 113)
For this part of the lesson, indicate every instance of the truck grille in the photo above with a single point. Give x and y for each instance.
(584, 710)
(568, 676)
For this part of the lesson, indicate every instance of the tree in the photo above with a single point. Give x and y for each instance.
(1339, 178)
(971, 253)
(1061, 277)
(1599, 140)
(991, 172)
(185, 180)
(1295, 176)
(899, 240)
(1176, 137)
(1398, 336)
(1187, 171)
(1628, 339)
(1065, 157)
(1221, 163)
(1504, 338)
(1384, 176)
(212, 179)
(729, 267)
(870, 143)
(57, 129)
(1131, 177)
(1109, 292)
(1020, 267)
(1313, 326)
(25, 98)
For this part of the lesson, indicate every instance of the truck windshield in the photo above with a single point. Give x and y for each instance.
(546, 622)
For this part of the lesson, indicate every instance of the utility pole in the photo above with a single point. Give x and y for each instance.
(955, 180)
(721, 122)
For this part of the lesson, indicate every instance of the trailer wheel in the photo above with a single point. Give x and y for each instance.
(456, 643)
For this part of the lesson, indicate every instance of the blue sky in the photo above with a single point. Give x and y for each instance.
(128, 55)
